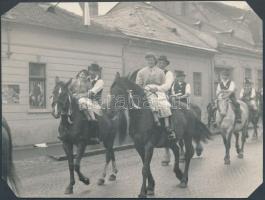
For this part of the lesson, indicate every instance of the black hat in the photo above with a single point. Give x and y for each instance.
(247, 81)
(94, 67)
(164, 58)
(179, 73)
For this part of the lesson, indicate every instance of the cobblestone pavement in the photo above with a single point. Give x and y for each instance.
(208, 177)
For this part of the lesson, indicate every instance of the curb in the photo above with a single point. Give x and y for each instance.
(93, 152)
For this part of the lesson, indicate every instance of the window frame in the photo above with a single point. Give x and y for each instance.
(197, 83)
(43, 79)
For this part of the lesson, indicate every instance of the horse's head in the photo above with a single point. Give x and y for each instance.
(125, 93)
(222, 105)
(61, 98)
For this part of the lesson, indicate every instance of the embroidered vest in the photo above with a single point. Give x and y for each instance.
(180, 88)
(225, 87)
(97, 96)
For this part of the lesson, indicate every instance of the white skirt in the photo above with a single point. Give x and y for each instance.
(89, 104)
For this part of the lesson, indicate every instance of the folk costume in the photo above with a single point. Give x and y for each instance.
(248, 95)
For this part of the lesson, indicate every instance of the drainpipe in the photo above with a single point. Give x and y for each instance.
(123, 56)
(212, 79)
(8, 53)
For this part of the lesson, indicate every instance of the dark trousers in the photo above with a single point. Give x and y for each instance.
(236, 105)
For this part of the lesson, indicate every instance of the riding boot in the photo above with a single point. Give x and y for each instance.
(171, 133)
(156, 118)
(87, 114)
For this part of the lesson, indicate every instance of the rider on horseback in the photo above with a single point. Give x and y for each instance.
(227, 87)
(180, 88)
(152, 79)
(248, 95)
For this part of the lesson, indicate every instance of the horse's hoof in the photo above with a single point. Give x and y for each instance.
(183, 185)
(150, 192)
(179, 174)
(227, 162)
(142, 196)
(101, 181)
(86, 181)
(165, 163)
(68, 190)
(112, 177)
(240, 155)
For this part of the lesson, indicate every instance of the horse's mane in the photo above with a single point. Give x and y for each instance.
(126, 84)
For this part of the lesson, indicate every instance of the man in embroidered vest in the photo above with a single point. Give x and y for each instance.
(180, 88)
(227, 85)
(248, 95)
(150, 78)
(95, 93)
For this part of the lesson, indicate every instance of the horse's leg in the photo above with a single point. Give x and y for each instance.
(227, 161)
(149, 149)
(182, 153)
(243, 140)
(198, 148)
(237, 144)
(68, 148)
(188, 155)
(166, 160)
(101, 180)
(80, 152)
(227, 150)
(174, 147)
(114, 166)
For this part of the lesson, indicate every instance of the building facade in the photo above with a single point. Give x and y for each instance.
(39, 44)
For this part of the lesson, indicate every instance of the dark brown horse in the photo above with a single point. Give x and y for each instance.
(74, 129)
(8, 168)
(147, 136)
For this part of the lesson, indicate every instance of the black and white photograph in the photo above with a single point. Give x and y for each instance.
(157, 99)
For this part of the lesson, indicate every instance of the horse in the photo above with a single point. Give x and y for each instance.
(74, 129)
(8, 169)
(197, 112)
(254, 114)
(225, 121)
(147, 135)
(211, 111)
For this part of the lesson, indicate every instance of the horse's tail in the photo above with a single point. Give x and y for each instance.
(201, 132)
(7, 151)
(122, 129)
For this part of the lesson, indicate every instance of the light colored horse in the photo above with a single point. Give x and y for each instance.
(225, 119)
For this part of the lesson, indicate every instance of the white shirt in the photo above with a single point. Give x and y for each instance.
(168, 82)
(231, 88)
(253, 93)
(98, 85)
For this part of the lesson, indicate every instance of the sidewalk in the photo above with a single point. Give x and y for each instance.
(55, 151)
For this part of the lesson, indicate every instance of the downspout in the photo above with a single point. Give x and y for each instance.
(123, 56)
(212, 78)
(8, 29)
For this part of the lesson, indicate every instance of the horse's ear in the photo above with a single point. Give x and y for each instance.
(68, 82)
(57, 79)
(117, 76)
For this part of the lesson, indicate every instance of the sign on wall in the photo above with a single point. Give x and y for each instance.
(10, 94)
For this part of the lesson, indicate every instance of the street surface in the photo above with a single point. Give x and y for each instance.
(208, 177)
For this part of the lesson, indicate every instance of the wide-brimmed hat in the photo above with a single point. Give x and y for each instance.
(150, 55)
(164, 58)
(179, 73)
(94, 67)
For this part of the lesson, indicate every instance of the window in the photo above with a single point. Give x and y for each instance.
(197, 83)
(248, 74)
(260, 79)
(37, 89)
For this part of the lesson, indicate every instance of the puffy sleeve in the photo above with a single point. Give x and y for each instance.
(187, 89)
(99, 85)
(169, 79)
(139, 78)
